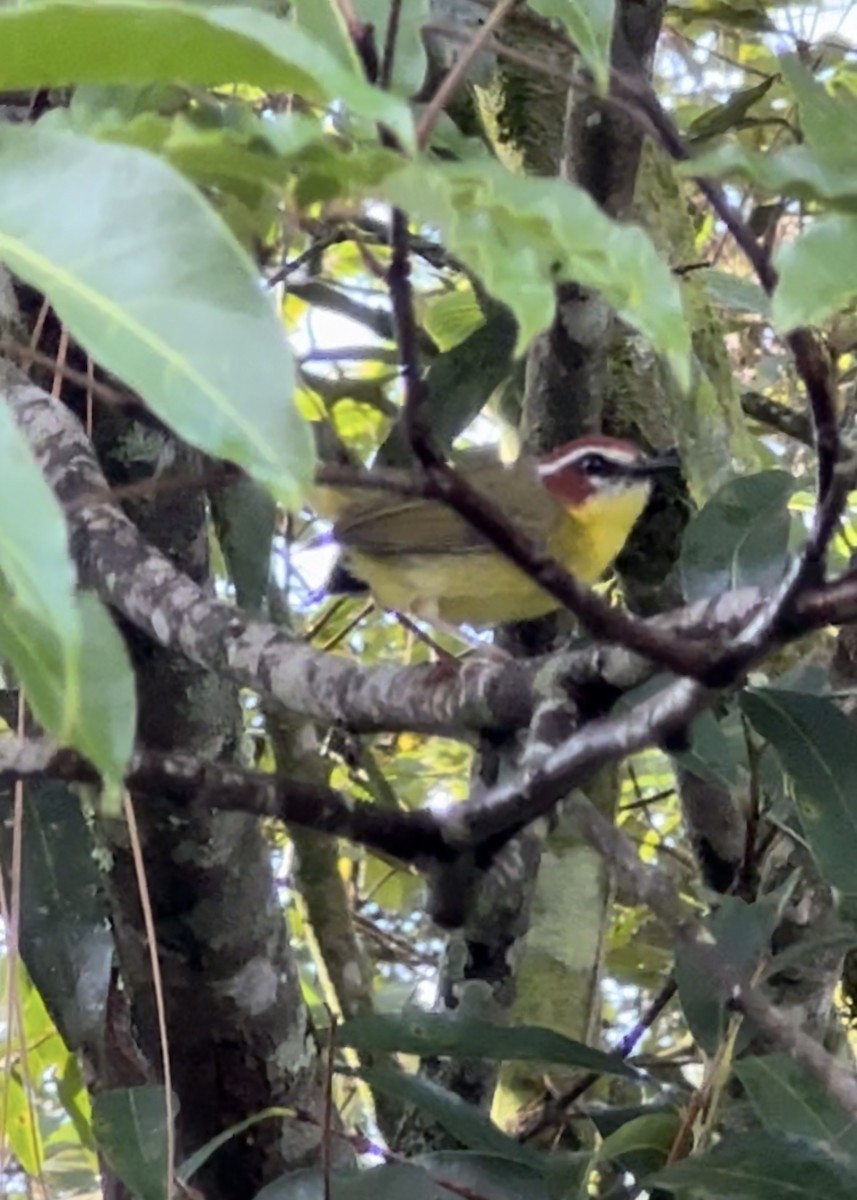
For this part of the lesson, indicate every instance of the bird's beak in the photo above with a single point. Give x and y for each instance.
(655, 463)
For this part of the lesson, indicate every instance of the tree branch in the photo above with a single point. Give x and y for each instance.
(176, 612)
(810, 360)
(481, 696)
(777, 416)
(417, 834)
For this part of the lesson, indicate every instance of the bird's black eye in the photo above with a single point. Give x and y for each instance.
(596, 464)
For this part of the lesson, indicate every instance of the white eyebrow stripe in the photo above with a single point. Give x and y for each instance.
(560, 464)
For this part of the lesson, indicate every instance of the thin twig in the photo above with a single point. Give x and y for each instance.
(27, 356)
(785, 420)
(810, 359)
(157, 980)
(321, 244)
(327, 1107)
(454, 77)
(349, 627)
(559, 1104)
(385, 76)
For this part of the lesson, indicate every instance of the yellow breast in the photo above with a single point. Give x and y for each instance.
(481, 587)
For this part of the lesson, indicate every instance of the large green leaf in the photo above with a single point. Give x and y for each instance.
(147, 276)
(823, 167)
(107, 720)
(36, 568)
(489, 1177)
(740, 538)
(642, 1144)
(464, 1121)
(102, 722)
(522, 236)
(244, 520)
(817, 748)
(66, 1141)
(324, 21)
(130, 1126)
(736, 292)
(731, 113)
(133, 41)
(390, 1181)
(764, 1166)
(790, 1101)
(64, 938)
(796, 171)
(426, 1034)
(742, 933)
(590, 27)
(200, 1157)
(717, 748)
(818, 272)
(452, 317)
(16, 1120)
(424, 1179)
(63, 646)
(828, 122)
(236, 153)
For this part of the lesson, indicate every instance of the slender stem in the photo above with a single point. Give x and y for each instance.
(452, 80)
(385, 78)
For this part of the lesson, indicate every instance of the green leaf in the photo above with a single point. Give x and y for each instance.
(818, 272)
(824, 167)
(828, 123)
(737, 292)
(712, 754)
(740, 538)
(642, 1144)
(742, 933)
(790, 1101)
(200, 1157)
(432, 1034)
(452, 317)
(159, 292)
(103, 721)
(745, 14)
(590, 27)
(244, 519)
(35, 566)
(726, 116)
(127, 42)
(63, 647)
(796, 171)
(460, 382)
(816, 746)
(391, 1181)
(107, 719)
(130, 1126)
(763, 1166)
(522, 236)
(324, 22)
(488, 1177)
(21, 1129)
(464, 1121)
(65, 940)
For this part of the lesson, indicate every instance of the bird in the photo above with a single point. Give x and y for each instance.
(418, 556)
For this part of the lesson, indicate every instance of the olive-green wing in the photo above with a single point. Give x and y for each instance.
(382, 524)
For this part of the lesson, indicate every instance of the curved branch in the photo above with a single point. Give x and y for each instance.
(777, 416)
(174, 611)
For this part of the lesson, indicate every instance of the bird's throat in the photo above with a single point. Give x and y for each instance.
(599, 529)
